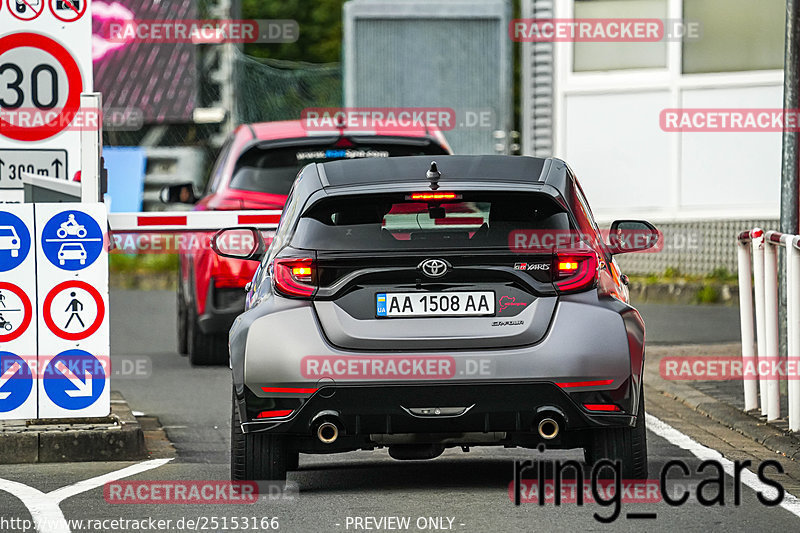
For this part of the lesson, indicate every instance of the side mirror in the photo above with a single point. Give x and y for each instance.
(181, 193)
(239, 243)
(632, 236)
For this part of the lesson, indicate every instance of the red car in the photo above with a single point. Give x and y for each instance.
(255, 170)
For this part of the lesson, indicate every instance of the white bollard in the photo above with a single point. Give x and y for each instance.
(771, 325)
(793, 330)
(758, 277)
(746, 320)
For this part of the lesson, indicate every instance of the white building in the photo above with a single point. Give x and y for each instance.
(597, 105)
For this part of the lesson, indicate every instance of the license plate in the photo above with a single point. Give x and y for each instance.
(405, 304)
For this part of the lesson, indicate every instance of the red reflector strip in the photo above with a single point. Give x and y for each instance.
(161, 221)
(597, 383)
(601, 407)
(259, 219)
(274, 414)
(292, 390)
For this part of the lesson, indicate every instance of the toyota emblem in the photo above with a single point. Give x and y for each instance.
(434, 268)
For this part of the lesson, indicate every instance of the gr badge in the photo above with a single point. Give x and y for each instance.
(532, 266)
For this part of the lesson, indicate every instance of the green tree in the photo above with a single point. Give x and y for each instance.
(320, 24)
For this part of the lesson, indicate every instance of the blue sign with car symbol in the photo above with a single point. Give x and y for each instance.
(15, 241)
(72, 240)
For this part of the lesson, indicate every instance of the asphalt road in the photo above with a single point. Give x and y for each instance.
(468, 490)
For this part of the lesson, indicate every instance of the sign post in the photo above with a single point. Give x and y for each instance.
(18, 339)
(45, 65)
(72, 287)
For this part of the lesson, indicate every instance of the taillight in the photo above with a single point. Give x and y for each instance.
(294, 277)
(574, 271)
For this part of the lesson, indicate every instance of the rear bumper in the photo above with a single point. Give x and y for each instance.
(510, 408)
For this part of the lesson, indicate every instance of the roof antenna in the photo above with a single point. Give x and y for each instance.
(433, 176)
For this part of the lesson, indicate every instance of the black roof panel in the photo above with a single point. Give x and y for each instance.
(498, 168)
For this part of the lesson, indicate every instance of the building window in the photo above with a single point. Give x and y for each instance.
(619, 56)
(736, 35)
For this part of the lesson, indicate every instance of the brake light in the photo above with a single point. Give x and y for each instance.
(601, 407)
(428, 196)
(575, 271)
(274, 414)
(294, 277)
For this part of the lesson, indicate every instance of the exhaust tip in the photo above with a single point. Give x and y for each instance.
(548, 428)
(327, 433)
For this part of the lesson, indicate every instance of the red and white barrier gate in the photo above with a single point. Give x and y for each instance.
(764, 275)
(191, 220)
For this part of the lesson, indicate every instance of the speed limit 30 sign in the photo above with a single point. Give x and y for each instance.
(44, 67)
(44, 73)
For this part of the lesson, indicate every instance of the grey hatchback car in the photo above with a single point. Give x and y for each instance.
(419, 305)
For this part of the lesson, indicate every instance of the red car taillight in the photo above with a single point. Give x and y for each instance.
(294, 277)
(574, 271)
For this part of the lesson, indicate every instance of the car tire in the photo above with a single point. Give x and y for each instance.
(628, 445)
(258, 456)
(182, 319)
(204, 349)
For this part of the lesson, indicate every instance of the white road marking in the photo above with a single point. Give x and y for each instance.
(681, 440)
(44, 507)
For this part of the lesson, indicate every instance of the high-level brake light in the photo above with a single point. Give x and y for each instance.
(428, 196)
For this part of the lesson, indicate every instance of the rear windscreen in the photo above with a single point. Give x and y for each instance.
(273, 170)
(388, 222)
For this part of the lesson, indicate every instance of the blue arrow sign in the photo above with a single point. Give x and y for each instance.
(74, 379)
(72, 240)
(16, 381)
(15, 241)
